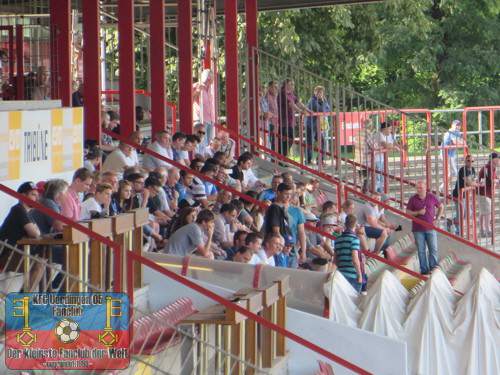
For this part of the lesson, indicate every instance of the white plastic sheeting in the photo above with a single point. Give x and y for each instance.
(445, 333)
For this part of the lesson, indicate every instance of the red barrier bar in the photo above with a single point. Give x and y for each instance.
(185, 53)
(126, 64)
(232, 74)
(117, 249)
(492, 123)
(20, 62)
(92, 71)
(231, 305)
(157, 65)
(60, 46)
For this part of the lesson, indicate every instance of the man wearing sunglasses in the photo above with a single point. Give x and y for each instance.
(200, 131)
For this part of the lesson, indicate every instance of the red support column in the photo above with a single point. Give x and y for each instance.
(185, 43)
(157, 65)
(207, 60)
(92, 69)
(232, 78)
(20, 62)
(253, 77)
(126, 64)
(60, 45)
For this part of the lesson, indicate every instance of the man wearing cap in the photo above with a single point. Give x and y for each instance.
(488, 179)
(19, 224)
(453, 137)
(386, 140)
(316, 245)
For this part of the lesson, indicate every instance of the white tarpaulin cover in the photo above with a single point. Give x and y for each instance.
(445, 333)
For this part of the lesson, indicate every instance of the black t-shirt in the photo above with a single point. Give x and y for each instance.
(276, 217)
(463, 173)
(154, 204)
(12, 229)
(237, 174)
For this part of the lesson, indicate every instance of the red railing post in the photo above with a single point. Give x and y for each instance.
(185, 53)
(60, 46)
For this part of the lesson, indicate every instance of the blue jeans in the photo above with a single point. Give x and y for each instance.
(311, 136)
(292, 261)
(379, 178)
(456, 219)
(428, 237)
(209, 128)
(355, 284)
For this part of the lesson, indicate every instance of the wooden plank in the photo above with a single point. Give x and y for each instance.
(73, 235)
(137, 236)
(73, 265)
(141, 216)
(97, 264)
(283, 285)
(271, 294)
(237, 348)
(267, 339)
(101, 226)
(123, 223)
(281, 321)
(251, 345)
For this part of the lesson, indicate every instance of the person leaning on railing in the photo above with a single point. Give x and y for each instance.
(364, 145)
(318, 103)
(466, 180)
(488, 173)
(18, 224)
(385, 139)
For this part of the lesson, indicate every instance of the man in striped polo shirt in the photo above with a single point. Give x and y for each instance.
(347, 253)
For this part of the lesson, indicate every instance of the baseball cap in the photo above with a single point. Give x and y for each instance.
(309, 216)
(385, 124)
(289, 240)
(385, 197)
(40, 185)
(456, 122)
(328, 220)
(26, 187)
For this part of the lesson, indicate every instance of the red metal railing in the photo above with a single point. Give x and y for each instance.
(173, 106)
(131, 257)
(258, 203)
(117, 249)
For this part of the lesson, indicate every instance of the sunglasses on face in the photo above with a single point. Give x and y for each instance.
(201, 132)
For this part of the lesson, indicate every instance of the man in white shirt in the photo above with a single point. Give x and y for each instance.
(119, 160)
(273, 245)
(386, 141)
(99, 203)
(223, 221)
(254, 241)
(161, 146)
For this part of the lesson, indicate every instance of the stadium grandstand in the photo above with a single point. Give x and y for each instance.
(252, 216)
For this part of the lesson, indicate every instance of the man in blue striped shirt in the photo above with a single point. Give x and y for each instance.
(347, 253)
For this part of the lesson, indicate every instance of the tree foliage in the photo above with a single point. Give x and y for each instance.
(406, 53)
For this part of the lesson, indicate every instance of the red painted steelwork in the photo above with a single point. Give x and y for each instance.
(60, 45)
(253, 75)
(126, 64)
(157, 65)
(92, 71)
(232, 74)
(185, 53)
(245, 312)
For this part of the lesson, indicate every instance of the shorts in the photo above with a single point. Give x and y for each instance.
(484, 204)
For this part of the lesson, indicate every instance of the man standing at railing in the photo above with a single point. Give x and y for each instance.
(422, 205)
(485, 192)
(386, 140)
(452, 139)
(466, 180)
(288, 105)
(364, 145)
(203, 103)
(318, 103)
